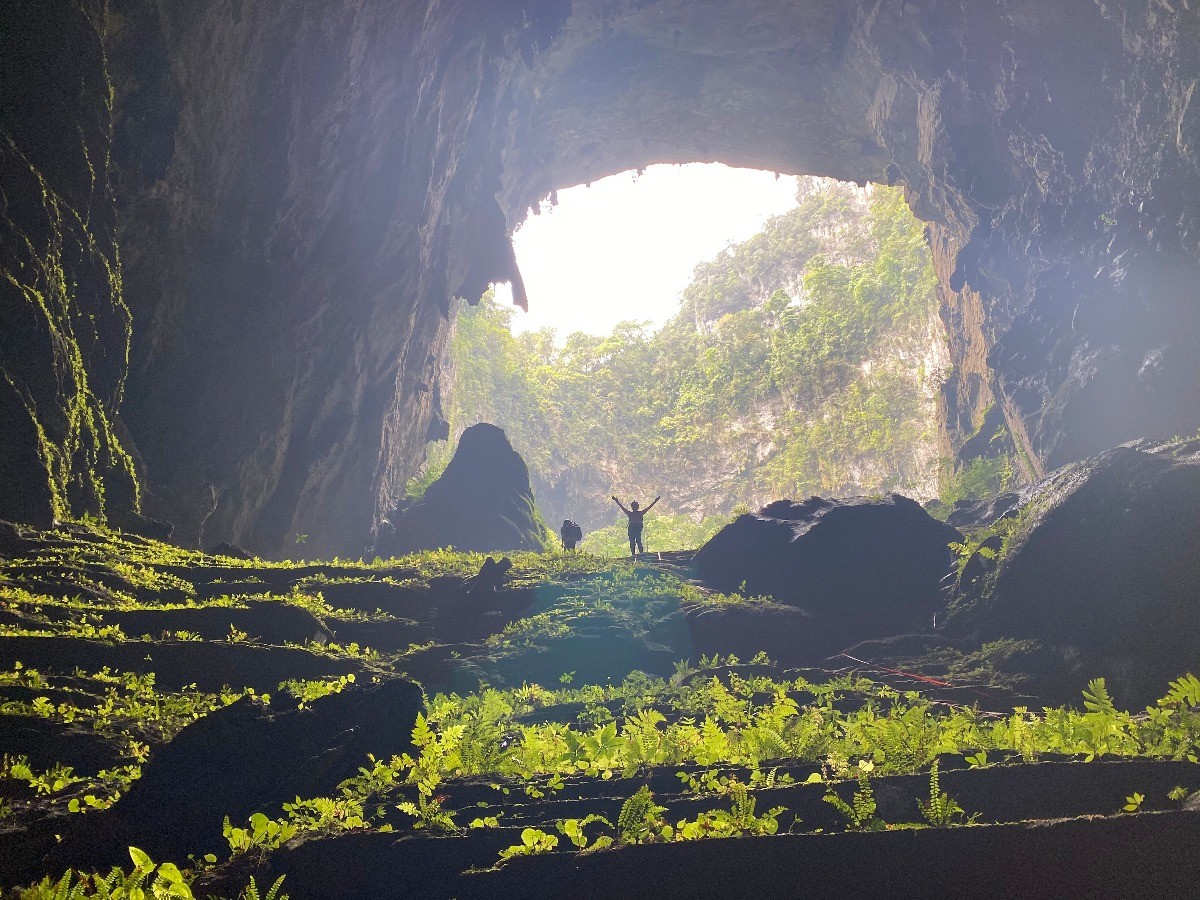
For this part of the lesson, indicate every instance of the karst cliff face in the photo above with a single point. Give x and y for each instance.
(291, 195)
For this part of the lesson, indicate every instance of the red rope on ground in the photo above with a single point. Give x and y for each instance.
(912, 675)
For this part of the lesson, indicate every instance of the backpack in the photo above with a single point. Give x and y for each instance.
(572, 531)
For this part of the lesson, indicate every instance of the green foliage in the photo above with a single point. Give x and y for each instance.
(729, 724)
(1183, 692)
(860, 811)
(145, 880)
(985, 476)
(121, 705)
(978, 760)
(746, 721)
(263, 834)
(737, 821)
(574, 830)
(664, 532)
(427, 813)
(1133, 802)
(941, 810)
(533, 842)
(308, 691)
(273, 892)
(641, 819)
(56, 778)
(77, 443)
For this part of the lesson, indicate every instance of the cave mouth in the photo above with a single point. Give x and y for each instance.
(623, 248)
(802, 352)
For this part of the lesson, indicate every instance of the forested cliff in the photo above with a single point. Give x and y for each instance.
(803, 360)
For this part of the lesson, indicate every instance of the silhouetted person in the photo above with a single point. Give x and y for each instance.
(636, 518)
(571, 534)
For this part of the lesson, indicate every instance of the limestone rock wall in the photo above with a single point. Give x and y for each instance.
(293, 247)
(64, 325)
(300, 188)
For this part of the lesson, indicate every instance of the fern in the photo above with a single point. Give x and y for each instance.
(742, 804)
(1096, 698)
(165, 882)
(251, 891)
(1184, 691)
(640, 819)
(860, 812)
(941, 810)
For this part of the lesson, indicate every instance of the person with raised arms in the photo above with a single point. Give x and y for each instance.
(637, 519)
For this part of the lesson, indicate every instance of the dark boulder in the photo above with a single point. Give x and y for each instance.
(245, 758)
(482, 502)
(840, 557)
(1100, 564)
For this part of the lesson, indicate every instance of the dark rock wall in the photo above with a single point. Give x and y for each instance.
(64, 326)
(289, 263)
(301, 188)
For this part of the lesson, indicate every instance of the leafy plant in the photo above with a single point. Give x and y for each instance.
(427, 813)
(860, 812)
(533, 842)
(941, 810)
(273, 892)
(574, 831)
(308, 691)
(263, 834)
(740, 819)
(641, 819)
(147, 879)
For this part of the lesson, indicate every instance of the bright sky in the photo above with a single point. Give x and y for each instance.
(625, 247)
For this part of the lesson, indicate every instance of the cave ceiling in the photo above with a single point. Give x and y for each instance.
(299, 190)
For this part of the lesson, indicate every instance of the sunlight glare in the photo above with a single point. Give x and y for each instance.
(625, 247)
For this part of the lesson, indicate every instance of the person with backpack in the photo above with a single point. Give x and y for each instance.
(571, 534)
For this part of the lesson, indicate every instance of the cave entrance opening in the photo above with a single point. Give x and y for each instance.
(798, 351)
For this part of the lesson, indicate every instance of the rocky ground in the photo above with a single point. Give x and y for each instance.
(409, 728)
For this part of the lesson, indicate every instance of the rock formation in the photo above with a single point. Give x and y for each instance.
(482, 502)
(851, 558)
(64, 324)
(236, 761)
(1098, 565)
(298, 191)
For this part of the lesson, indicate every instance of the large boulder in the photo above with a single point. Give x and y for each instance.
(482, 502)
(847, 570)
(241, 759)
(1100, 565)
(838, 557)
